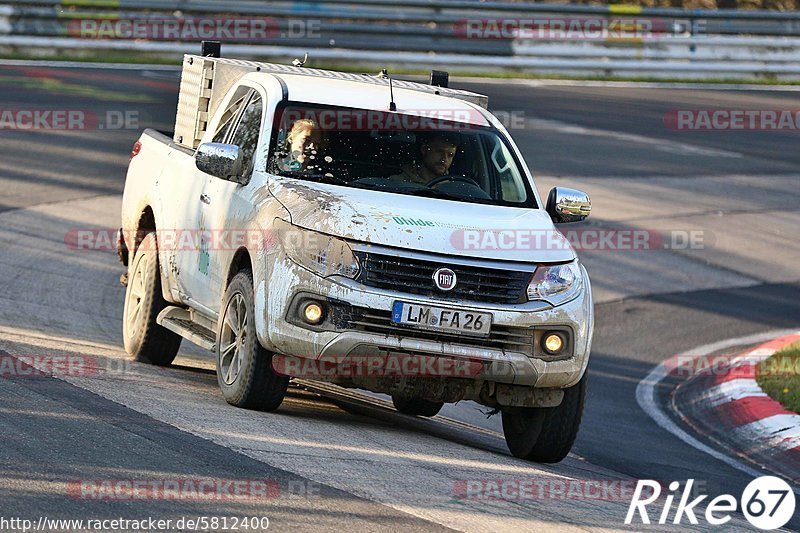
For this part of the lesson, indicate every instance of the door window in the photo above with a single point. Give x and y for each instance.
(229, 116)
(247, 133)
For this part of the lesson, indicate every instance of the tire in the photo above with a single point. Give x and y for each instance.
(244, 367)
(545, 434)
(416, 406)
(145, 340)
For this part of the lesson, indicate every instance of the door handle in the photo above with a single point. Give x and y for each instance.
(206, 199)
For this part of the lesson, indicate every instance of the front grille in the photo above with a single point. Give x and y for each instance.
(501, 337)
(415, 276)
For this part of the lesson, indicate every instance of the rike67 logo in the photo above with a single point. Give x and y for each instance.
(767, 502)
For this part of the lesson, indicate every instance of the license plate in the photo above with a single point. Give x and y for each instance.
(441, 319)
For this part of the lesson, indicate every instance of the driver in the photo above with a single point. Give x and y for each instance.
(436, 155)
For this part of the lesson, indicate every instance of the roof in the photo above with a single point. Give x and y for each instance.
(360, 95)
(239, 65)
(205, 81)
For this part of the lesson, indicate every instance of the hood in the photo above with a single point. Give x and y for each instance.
(423, 224)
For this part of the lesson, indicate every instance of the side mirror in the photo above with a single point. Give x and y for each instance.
(568, 205)
(220, 160)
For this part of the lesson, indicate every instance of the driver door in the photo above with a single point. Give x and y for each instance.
(228, 210)
(193, 261)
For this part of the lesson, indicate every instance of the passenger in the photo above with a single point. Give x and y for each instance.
(435, 158)
(305, 144)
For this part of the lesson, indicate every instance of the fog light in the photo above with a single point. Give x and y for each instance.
(553, 343)
(313, 313)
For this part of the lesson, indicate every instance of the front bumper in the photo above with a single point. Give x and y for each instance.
(500, 364)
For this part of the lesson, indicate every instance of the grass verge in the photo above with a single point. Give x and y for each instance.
(779, 377)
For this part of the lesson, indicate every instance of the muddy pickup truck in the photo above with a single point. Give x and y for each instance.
(363, 231)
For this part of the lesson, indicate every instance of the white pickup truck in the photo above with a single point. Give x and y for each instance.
(372, 233)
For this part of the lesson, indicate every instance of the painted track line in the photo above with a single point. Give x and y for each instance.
(725, 404)
(647, 398)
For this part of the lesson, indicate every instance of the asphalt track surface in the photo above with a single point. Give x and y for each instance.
(341, 464)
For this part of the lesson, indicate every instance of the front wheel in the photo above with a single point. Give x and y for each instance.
(545, 434)
(416, 406)
(244, 367)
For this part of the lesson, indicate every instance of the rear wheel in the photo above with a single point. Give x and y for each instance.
(545, 434)
(145, 340)
(416, 406)
(244, 367)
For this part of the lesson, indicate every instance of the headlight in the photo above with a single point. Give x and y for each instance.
(319, 253)
(556, 284)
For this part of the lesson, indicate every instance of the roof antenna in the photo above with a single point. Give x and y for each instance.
(297, 63)
(392, 105)
(384, 74)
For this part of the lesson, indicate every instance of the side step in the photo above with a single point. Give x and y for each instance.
(188, 325)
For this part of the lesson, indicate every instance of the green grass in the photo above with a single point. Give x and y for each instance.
(779, 376)
(162, 59)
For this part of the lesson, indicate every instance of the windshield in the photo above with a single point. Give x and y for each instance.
(396, 153)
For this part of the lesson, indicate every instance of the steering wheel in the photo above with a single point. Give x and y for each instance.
(462, 179)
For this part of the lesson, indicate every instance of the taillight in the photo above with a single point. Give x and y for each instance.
(137, 147)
